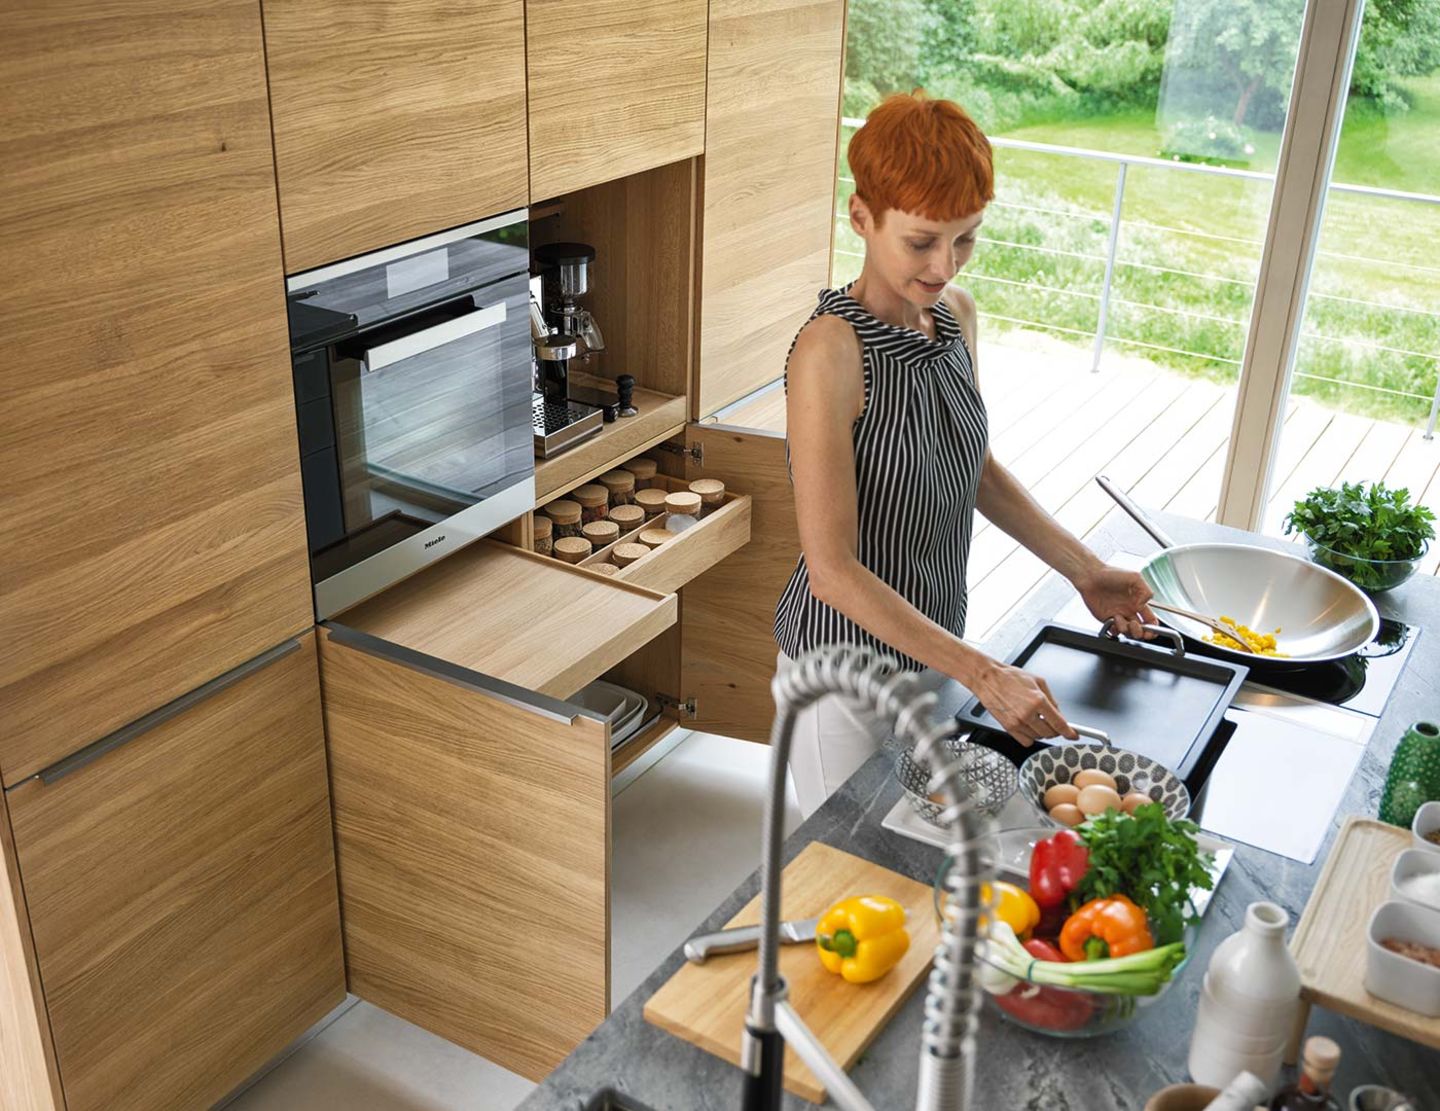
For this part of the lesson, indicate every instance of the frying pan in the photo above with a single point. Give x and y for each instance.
(1320, 615)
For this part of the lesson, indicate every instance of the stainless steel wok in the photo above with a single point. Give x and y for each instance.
(1320, 615)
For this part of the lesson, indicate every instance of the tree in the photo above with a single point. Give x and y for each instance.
(1249, 44)
(883, 40)
(1399, 38)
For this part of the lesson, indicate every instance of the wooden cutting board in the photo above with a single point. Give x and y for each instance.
(706, 1003)
(1329, 943)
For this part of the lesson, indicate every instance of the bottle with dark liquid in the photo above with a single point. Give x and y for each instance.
(1312, 1091)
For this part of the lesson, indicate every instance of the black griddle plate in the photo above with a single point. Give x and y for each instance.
(1149, 699)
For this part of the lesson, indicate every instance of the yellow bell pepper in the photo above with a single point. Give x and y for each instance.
(1013, 906)
(862, 938)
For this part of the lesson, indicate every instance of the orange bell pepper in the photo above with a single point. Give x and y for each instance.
(1112, 927)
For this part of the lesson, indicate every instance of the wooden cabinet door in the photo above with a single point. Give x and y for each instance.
(771, 123)
(182, 893)
(472, 830)
(616, 87)
(727, 615)
(393, 119)
(154, 531)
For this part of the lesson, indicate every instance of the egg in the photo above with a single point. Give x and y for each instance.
(1132, 800)
(1061, 792)
(1067, 814)
(1098, 798)
(1093, 776)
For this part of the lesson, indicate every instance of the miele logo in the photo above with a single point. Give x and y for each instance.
(438, 540)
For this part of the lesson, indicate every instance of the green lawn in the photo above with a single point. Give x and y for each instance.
(1209, 229)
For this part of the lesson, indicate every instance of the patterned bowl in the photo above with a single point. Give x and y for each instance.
(1061, 763)
(989, 776)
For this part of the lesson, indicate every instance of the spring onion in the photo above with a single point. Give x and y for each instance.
(1138, 974)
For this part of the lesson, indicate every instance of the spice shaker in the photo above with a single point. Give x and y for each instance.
(600, 533)
(543, 541)
(654, 537)
(651, 500)
(682, 509)
(564, 515)
(602, 568)
(572, 549)
(594, 502)
(712, 494)
(627, 517)
(626, 554)
(621, 485)
(643, 468)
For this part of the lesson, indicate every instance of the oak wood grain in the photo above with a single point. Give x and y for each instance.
(182, 895)
(155, 534)
(29, 1080)
(473, 844)
(615, 87)
(728, 646)
(706, 1003)
(769, 185)
(517, 616)
(1329, 943)
(393, 119)
(660, 417)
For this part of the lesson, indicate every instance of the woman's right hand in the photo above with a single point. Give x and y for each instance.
(1022, 703)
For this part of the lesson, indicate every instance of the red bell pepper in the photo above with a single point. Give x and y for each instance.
(1042, 950)
(1047, 1008)
(1057, 865)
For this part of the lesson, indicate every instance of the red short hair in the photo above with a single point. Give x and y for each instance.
(921, 155)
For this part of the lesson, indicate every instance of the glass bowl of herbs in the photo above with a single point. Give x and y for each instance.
(1149, 858)
(1365, 532)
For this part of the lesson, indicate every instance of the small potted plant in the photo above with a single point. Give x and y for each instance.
(1370, 534)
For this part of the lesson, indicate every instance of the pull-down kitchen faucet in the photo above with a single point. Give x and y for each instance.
(947, 1049)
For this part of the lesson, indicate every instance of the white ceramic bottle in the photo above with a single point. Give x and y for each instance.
(1247, 1002)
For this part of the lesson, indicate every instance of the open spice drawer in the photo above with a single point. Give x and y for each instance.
(686, 554)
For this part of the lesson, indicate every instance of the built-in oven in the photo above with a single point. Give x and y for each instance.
(413, 381)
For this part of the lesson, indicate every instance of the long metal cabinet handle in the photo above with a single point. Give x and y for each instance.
(510, 693)
(427, 339)
(140, 726)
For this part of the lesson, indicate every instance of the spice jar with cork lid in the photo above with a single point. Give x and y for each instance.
(543, 543)
(564, 517)
(712, 494)
(683, 509)
(621, 485)
(600, 533)
(626, 554)
(572, 549)
(652, 501)
(643, 468)
(628, 517)
(594, 502)
(654, 537)
(602, 568)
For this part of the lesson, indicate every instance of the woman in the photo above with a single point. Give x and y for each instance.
(889, 456)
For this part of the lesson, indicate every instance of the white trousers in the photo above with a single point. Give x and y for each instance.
(832, 739)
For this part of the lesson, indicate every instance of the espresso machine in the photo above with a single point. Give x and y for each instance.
(567, 339)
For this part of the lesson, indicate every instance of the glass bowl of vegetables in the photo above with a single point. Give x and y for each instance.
(1087, 928)
(1365, 532)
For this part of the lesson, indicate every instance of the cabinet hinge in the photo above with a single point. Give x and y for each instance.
(695, 451)
(685, 709)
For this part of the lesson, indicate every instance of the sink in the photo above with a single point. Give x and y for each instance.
(608, 1099)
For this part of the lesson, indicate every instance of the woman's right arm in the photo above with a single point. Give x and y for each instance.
(825, 394)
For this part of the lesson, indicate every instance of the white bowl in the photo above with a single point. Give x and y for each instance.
(1427, 820)
(1406, 983)
(1413, 862)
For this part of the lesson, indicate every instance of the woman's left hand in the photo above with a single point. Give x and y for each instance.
(1112, 592)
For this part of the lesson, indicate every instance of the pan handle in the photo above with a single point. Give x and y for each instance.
(1093, 734)
(1177, 642)
(1123, 501)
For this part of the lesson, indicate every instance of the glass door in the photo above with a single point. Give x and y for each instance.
(1361, 400)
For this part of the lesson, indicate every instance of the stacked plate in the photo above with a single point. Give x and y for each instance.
(624, 709)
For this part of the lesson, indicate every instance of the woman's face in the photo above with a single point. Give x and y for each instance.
(916, 256)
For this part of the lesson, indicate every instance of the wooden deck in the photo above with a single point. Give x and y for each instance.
(1159, 435)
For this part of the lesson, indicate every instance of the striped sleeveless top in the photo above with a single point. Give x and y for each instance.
(919, 449)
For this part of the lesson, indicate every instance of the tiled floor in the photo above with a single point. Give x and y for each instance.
(683, 835)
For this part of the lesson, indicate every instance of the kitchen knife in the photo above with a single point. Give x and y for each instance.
(740, 938)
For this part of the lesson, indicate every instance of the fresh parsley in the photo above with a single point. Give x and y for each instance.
(1150, 859)
(1364, 521)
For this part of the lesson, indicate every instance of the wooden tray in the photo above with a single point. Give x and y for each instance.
(1329, 942)
(705, 1003)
